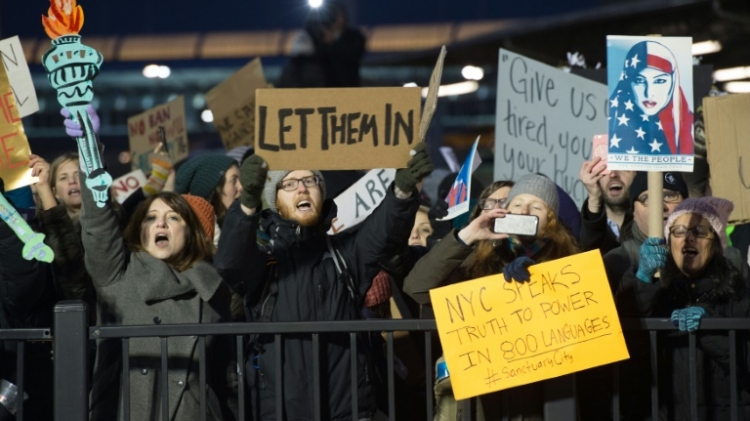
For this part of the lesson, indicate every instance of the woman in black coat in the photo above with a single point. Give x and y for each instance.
(697, 281)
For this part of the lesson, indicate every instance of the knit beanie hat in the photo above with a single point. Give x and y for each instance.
(672, 181)
(538, 185)
(240, 152)
(713, 209)
(272, 186)
(205, 213)
(200, 175)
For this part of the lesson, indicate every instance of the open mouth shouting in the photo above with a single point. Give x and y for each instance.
(615, 188)
(304, 206)
(161, 240)
(689, 252)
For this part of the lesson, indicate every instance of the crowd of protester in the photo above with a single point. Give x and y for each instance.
(224, 237)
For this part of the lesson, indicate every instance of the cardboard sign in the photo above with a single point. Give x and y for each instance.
(232, 103)
(126, 185)
(650, 103)
(143, 132)
(458, 196)
(18, 72)
(14, 146)
(545, 121)
(497, 335)
(357, 202)
(430, 105)
(728, 140)
(336, 129)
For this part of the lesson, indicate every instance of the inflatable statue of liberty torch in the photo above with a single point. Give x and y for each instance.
(71, 68)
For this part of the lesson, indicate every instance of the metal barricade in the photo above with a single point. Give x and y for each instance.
(72, 332)
(13, 394)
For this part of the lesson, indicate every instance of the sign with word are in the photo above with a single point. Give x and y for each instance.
(128, 184)
(728, 143)
(357, 202)
(14, 61)
(545, 121)
(232, 104)
(14, 146)
(143, 133)
(497, 334)
(336, 129)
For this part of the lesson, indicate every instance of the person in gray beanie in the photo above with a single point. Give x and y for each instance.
(293, 277)
(477, 251)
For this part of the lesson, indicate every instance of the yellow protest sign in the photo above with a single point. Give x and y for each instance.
(14, 146)
(143, 133)
(336, 129)
(497, 335)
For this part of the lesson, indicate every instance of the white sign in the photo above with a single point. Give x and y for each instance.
(545, 121)
(358, 201)
(126, 185)
(15, 64)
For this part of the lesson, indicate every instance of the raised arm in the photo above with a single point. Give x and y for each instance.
(238, 259)
(105, 251)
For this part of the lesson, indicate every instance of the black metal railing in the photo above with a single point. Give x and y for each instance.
(20, 337)
(72, 336)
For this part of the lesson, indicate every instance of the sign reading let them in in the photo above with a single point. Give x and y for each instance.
(497, 335)
(336, 129)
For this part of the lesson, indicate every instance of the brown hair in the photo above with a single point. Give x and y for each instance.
(216, 198)
(491, 257)
(57, 163)
(487, 192)
(197, 247)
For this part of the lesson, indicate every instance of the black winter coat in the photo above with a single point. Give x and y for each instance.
(26, 301)
(309, 289)
(637, 298)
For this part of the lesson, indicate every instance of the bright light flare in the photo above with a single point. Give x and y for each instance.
(472, 73)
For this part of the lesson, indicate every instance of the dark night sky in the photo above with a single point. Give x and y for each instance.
(116, 17)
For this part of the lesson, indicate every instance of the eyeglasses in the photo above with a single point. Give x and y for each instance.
(292, 183)
(487, 204)
(699, 231)
(668, 196)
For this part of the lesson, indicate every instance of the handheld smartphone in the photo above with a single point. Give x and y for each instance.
(517, 225)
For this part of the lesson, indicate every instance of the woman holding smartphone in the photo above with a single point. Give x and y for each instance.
(477, 250)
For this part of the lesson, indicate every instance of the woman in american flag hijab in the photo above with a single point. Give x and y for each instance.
(649, 113)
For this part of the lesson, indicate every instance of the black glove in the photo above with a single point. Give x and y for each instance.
(518, 269)
(438, 211)
(253, 177)
(418, 167)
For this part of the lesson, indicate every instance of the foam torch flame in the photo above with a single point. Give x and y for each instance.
(64, 17)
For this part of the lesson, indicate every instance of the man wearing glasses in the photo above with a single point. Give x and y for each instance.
(302, 275)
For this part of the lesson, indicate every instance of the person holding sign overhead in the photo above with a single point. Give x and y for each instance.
(302, 274)
(697, 281)
(478, 250)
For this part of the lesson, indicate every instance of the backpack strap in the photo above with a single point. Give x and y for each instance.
(263, 310)
(343, 271)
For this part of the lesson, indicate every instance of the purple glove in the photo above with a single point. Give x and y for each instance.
(518, 269)
(73, 129)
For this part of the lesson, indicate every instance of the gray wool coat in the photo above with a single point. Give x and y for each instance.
(138, 289)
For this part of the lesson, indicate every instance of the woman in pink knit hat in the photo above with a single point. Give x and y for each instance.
(697, 281)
